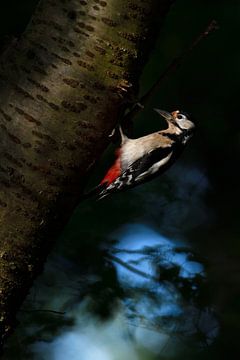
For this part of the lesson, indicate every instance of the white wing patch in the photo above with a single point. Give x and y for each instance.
(155, 167)
(135, 149)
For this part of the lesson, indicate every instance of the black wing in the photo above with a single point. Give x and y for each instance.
(142, 165)
(135, 172)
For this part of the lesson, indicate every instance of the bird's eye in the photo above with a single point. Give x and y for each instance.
(181, 117)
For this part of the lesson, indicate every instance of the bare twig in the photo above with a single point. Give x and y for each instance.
(132, 268)
(173, 65)
(44, 310)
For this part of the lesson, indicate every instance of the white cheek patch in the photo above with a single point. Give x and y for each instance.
(185, 124)
(177, 131)
(154, 168)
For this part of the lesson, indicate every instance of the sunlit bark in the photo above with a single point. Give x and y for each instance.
(61, 93)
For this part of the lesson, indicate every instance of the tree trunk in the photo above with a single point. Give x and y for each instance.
(62, 88)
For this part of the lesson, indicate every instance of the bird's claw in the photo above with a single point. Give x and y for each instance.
(112, 133)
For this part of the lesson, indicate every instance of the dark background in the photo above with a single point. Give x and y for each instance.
(196, 204)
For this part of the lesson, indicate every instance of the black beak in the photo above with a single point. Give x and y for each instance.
(164, 114)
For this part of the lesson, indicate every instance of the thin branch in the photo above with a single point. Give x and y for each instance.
(172, 66)
(44, 310)
(132, 268)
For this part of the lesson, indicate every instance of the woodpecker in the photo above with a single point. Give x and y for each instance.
(140, 160)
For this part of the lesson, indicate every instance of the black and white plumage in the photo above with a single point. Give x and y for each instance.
(140, 160)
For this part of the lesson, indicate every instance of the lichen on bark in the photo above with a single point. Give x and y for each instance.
(61, 94)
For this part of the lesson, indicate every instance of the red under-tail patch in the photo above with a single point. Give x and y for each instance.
(114, 171)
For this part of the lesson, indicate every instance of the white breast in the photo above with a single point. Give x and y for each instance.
(131, 151)
(134, 149)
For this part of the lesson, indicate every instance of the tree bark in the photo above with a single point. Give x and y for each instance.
(61, 94)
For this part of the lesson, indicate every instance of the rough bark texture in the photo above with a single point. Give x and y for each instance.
(61, 93)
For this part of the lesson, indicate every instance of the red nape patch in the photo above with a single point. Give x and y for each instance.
(114, 171)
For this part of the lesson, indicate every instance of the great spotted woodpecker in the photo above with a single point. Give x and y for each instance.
(140, 160)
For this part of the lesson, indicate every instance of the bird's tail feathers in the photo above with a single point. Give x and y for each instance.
(93, 192)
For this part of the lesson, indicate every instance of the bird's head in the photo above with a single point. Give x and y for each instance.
(178, 118)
